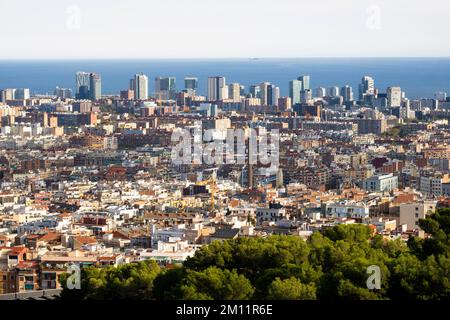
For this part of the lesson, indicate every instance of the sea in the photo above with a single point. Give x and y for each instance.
(418, 77)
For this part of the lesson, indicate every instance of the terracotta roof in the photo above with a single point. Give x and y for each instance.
(51, 236)
(85, 240)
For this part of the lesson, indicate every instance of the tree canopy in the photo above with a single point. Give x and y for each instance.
(331, 264)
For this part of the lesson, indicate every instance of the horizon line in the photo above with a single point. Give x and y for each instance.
(221, 58)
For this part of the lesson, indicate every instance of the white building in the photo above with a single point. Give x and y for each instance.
(347, 209)
(379, 183)
(394, 96)
(174, 250)
(140, 86)
(433, 185)
(271, 214)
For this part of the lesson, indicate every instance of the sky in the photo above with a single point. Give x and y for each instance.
(148, 29)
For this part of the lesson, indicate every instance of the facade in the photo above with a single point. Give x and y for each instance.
(347, 93)
(394, 97)
(271, 214)
(234, 92)
(411, 212)
(139, 86)
(165, 88)
(83, 83)
(375, 126)
(95, 86)
(347, 209)
(433, 185)
(380, 183)
(305, 79)
(295, 87)
(366, 87)
(217, 89)
(191, 83)
(22, 94)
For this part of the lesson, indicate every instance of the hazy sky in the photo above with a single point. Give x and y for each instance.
(223, 29)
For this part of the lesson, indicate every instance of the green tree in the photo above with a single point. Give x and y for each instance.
(214, 283)
(291, 289)
(128, 281)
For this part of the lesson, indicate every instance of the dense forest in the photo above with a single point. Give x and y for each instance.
(331, 264)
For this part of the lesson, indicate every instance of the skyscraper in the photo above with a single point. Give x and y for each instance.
(394, 96)
(347, 93)
(321, 92)
(191, 83)
(366, 87)
(333, 92)
(140, 86)
(275, 95)
(269, 94)
(82, 81)
(255, 91)
(7, 94)
(217, 89)
(295, 87)
(265, 95)
(305, 79)
(305, 96)
(22, 94)
(63, 93)
(95, 87)
(234, 92)
(165, 88)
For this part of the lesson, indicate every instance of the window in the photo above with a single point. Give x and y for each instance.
(417, 215)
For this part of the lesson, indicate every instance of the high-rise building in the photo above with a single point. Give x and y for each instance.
(217, 89)
(191, 83)
(22, 94)
(305, 82)
(295, 87)
(234, 92)
(242, 88)
(440, 96)
(366, 87)
(284, 103)
(127, 94)
(7, 94)
(165, 88)
(306, 96)
(82, 81)
(139, 85)
(63, 93)
(347, 93)
(269, 94)
(95, 87)
(255, 91)
(333, 92)
(394, 96)
(275, 95)
(321, 92)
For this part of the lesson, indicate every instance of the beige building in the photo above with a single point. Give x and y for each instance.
(411, 212)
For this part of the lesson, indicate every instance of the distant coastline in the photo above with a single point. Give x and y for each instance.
(419, 77)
